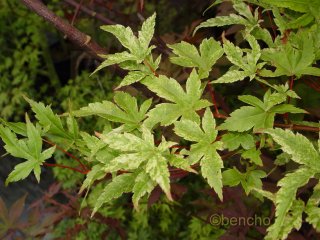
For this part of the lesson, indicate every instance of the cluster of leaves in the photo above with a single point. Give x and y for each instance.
(17, 222)
(132, 148)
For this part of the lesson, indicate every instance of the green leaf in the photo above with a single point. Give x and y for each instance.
(282, 159)
(95, 174)
(284, 108)
(191, 131)
(298, 146)
(246, 118)
(22, 171)
(312, 208)
(254, 155)
(29, 149)
(143, 185)
(47, 118)
(188, 55)
(252, 100)
(132, 77)
(233, 140)
(120, 184)
(124, 35)
(184, 104)
(292, 59)
(250, 180)
(158, 171)
(141, 154)
(245, 17)
(232, 177)
(180, 162)
(246, 65)
(211, 165)
(17, 127)
(222, 21)
(138, 47)
(232, 76)
(296, 5)
(260, 115)
(147, 31)
(115, 59)
(204, 150)
(126, 111)
(285, 198)
(253, 180)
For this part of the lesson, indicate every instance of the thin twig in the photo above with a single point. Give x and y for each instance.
(67, 153)
(90, 12)
(63, 166)
(297, 127)
(73, 34)
(76, 12)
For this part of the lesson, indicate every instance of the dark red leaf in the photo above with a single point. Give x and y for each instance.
(17, 209)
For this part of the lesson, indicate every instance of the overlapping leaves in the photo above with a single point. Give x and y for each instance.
(146, 165)
(244, 17)
(292, 59)
(303, 152)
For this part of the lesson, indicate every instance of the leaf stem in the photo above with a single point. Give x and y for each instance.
(151, 68)
(217, 113)
(84, 168)
(67, 167)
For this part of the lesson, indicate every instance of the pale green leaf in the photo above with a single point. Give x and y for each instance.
(126, 111)
(143, 185)
(185, 103)
(120, 184)
(124, 35)
(231, 76)
(189, 56)
(189, 130)
(132, 77)
(158, 171)
(95, 173)
(166, 88)
(129, 161)
(211, 165)
(222, 21)
(312, 208)
(298, 146)
(284, 200)
(147, 31)
(116, 58)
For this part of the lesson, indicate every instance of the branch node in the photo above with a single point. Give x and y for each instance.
(88, 39)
